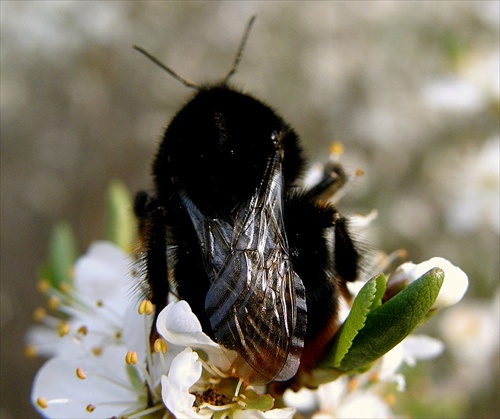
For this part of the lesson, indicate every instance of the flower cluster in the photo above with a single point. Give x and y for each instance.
(103, 365)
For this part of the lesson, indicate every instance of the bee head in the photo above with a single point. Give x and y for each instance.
(218, 146)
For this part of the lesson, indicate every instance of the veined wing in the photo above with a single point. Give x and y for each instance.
(256, 303)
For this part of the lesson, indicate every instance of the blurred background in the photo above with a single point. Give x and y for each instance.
(410, 88)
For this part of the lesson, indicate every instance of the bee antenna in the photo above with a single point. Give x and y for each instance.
(241, 47)
(174, 74)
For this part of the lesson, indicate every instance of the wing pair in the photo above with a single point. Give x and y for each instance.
(256, 302)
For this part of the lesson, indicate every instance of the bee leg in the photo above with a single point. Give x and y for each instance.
(346, 255)
(152, 233)
(333, 179)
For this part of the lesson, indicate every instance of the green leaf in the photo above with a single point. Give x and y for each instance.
(120, 220)
(391, 322)
(62, 256)
(368, 298)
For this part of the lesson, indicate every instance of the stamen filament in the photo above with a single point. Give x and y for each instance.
(147, 411)
(217, 408)
(238, 387)
(149, 381)
(148, 343)
(212, 369)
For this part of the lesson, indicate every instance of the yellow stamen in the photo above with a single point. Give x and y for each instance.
(39, 314)
(63, 329)
(42, 402)
(97, 351)
(160, 345)
(402, 253)
(80, 374)
(64, 287)
(43, 286)
(131, 358)
(30, 351)
(54, 303)
(337, 148)
(145, 307)
(374, 376)
(90, 408)
(360, 172)
(99, 303)
(352, 385)
(83, 330)
(390, 399)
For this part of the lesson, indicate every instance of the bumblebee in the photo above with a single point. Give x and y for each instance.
(260, 260)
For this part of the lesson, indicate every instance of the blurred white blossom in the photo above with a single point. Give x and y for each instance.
(471, 331)
(367, 395)
(470, 189)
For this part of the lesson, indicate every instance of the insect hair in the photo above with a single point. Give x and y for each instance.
(194, 85)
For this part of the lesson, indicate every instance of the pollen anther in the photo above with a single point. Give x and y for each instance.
(160, 345)
(43, 286)
(30, 351)
(54, 303)
(42, 402)
(83, 330)
(63, 328)
(39, 314)
(80, 374)
(131, 358)
(145, 307)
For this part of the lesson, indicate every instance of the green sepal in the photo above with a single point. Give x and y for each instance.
(368, 299)
(390, 323)
(257, 401)
(134, 378)
(120, 219)
(61, 258)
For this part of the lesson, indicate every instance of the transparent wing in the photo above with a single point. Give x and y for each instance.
(256, 303)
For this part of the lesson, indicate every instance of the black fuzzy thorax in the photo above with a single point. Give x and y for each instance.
(217, 148)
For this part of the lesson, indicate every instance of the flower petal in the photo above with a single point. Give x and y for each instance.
(106, 387)
(102, 275)
(421, 347)
(178, 325)
(185, 370)
(455, 282)
(286, 412)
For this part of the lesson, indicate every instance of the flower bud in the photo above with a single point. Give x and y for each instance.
(454, 285)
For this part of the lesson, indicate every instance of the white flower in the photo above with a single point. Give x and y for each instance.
(201, 380)
(469, 188)
(472, 333)
(364, 395)
(91, 314)
(345, 397)
(411, 349)
(60, 391)
(472, 89)
(107, 383)
(102, 358)
(454, 286)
